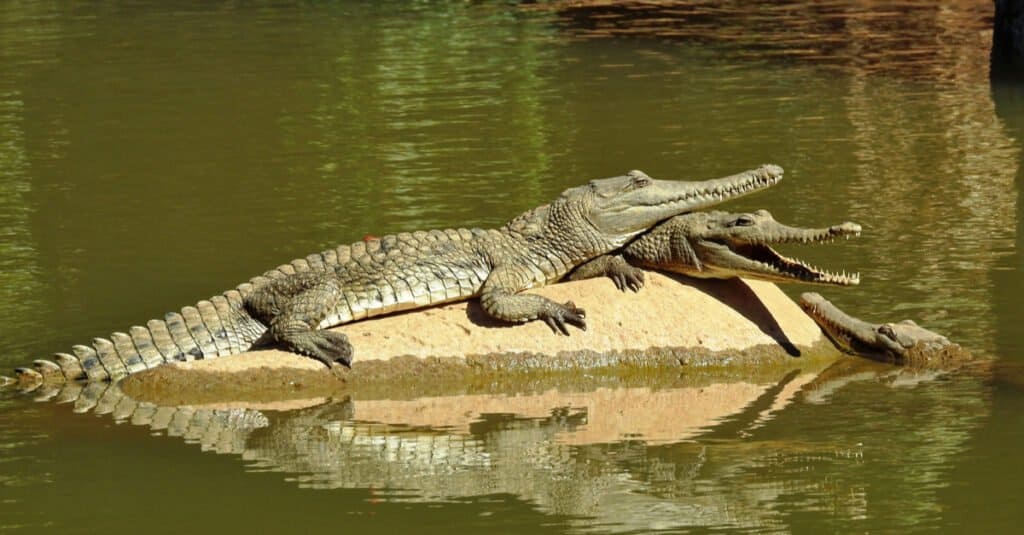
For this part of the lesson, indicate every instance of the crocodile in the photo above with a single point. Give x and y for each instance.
(903, 342)
(291, 306)
(720, 245)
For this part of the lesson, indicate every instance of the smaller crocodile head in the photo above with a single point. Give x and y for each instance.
(904, 342)
(722, 245)
(621, 207)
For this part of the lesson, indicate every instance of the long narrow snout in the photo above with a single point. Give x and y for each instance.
(718, 189)
(845, 329)
(625, 214)
(701, 194)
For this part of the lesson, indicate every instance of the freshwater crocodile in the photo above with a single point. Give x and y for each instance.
(904, 342)
(720, 245)
(290, 306)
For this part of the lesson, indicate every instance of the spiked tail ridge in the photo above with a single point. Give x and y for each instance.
(215, 327)
(212, 328)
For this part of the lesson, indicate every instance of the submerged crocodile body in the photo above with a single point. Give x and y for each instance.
(904, 342)
(720, 245)
(290, 306)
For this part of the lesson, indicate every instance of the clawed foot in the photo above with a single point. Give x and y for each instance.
(622, 273)
(326, 346)
(557, 316)
(627, 277)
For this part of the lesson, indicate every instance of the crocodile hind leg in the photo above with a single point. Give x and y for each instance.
(298, 336)
(293, 309)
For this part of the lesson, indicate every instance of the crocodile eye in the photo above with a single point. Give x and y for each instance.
(742, 221)
(639, 179)
(887, 331)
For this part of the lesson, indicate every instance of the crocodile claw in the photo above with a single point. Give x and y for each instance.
(325, 346)
(628, 278)
(559, 315)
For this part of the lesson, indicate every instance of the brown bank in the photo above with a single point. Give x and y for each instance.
(669, 323)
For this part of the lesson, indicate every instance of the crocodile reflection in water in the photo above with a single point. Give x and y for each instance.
(672, 452)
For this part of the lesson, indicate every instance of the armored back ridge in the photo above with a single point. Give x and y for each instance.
(290, 306)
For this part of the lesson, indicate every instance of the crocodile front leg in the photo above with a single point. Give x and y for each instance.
(622, 273)
(293, 309)
(501, 299)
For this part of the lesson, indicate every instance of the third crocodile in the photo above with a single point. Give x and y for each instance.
(720, 245)
(289, 307)
(904, 342)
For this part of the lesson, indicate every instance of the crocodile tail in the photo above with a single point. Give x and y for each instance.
(215, 327)
(230, 426)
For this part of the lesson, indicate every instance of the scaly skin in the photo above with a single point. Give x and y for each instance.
(290, 306)
(720, 245)
(900, 343)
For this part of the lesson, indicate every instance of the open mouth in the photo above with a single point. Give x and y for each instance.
(770, 261)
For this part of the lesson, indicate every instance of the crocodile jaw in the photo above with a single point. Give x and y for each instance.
(761, 262)
(623, 207)
(852, 334)
(745, 251)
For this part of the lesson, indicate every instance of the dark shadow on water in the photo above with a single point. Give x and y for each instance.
(1007, 62)
(736, 425)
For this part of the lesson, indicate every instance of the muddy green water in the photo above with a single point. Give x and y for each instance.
(155, 153)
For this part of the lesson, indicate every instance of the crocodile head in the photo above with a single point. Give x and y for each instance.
(903, 342)
(621, 207)
(722, 245)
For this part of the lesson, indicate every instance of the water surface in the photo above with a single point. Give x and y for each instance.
(153, 155)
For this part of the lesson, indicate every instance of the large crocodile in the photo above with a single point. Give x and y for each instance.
(720, 245)
(904, 342)
(290, 306)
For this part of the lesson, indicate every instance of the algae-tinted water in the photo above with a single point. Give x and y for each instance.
(152, 154)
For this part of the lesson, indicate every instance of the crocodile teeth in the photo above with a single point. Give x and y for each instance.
(771, 261)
